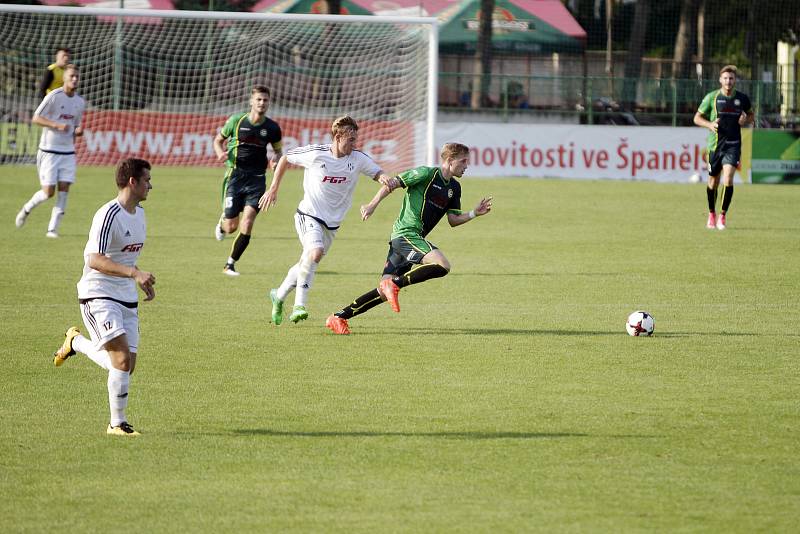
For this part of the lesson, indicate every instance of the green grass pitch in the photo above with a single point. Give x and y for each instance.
(505, 396)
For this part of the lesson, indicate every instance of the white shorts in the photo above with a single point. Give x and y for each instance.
(107, 319)
(312, 233)
(54, 168)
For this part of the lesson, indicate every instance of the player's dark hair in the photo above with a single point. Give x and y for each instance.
(63, 49)
(729, 68)
(131, 167)
(343, 123)
(260, 89)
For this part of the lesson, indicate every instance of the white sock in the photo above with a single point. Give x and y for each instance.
(231, 260)
(85, 346)
(118, 382)
(37, 198)
(58, 211)
(289, 282)
(305, 278)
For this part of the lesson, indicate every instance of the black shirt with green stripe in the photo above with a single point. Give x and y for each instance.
(727, 109)
(247, 142)
(429, 196)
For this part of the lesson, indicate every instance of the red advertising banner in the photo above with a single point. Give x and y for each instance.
(187, 139)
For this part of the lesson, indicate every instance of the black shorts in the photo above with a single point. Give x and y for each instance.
(725, 154)
(240, 190)
(404, 253)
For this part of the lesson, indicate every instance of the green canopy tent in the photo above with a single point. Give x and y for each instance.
(518, 27)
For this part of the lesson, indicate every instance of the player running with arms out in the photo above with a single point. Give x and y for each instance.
(330, 177)
(431, 193)
(723, 112)
(247, 135)
(107, 290)
(60, 115)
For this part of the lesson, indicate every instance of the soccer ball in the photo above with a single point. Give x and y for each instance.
(640, 323)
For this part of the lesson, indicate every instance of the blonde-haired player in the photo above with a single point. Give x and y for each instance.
(330, 177)
(431, 194)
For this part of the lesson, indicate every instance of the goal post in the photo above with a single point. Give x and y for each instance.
(160, 84)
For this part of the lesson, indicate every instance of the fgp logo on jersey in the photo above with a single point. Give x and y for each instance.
(133, 247)
(335, 179)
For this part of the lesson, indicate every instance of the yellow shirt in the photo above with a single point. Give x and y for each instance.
(58, 78)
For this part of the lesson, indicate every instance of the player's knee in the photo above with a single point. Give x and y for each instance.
(315, 254)
(230, 225)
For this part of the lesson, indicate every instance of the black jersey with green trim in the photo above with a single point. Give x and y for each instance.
(727, 109)
(247, 142)
(429, 196)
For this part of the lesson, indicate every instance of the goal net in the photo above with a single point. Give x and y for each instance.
(160, 84)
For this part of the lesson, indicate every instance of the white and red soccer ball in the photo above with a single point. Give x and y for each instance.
(640, 323)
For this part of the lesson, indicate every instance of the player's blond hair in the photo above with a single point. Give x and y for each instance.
(453, 151)
(729, 68)
(343, 124)
(71, 66)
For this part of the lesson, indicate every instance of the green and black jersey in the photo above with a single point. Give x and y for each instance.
(247, 142)
(727, 109)
(428, 198)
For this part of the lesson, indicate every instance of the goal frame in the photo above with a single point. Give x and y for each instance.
(433, 44)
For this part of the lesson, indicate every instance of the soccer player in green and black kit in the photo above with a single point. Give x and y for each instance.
(247, 135)
(431, 193)
(723, 112)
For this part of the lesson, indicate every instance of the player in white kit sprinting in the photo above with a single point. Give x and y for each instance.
(60, 114)
(330, 177)
(107, 290)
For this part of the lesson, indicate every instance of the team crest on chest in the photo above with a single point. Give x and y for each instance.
(263, 133)
(449, 193)
(737, 102)
(350, 166)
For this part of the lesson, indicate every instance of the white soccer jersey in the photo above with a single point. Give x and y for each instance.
(329, 182)
(59, 107)
(120, 236)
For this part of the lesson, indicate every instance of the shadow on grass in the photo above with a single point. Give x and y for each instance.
(438, 331)
(443, 435)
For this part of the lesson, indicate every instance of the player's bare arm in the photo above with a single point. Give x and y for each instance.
(482, 208)
(219, 147)
(277, 154)
(145, 280)
(384, 179)
(746, 118)
(700, 120)
(78, 131)
(269, 198)
(47, 123)
(368, 209)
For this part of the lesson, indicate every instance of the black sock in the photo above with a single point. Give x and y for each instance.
(712, 199)
(727, 196)
(419, 274)
(365, 302)
(239, 245)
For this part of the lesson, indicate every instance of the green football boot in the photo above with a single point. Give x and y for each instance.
(277, 307)
(299, 313)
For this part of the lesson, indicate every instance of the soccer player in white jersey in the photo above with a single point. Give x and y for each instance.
(107, 290)
(330, 177)
(60, 114)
